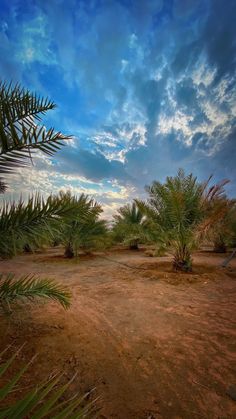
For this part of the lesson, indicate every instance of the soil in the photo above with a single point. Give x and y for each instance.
(152, 342)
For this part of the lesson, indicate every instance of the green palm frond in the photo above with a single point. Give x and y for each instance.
(30, 287)
(20, 134)
(32, 222)
(173, 211)
(84, 229)
(130, 225)
(42, 401)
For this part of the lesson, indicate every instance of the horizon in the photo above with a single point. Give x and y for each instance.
(143, 87)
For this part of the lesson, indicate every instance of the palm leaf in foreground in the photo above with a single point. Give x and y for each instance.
(20, 133)
(30, 287)
(42, 401)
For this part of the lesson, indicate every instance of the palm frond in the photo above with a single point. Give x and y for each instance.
(42, 401)
(84, 229)
(129, 225)
(30, 287)
(20, 134)
(32, 222)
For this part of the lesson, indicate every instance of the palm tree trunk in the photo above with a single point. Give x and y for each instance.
(27, 248)
(219, 246)
(69, 252)
(182, 259)
(133, 245)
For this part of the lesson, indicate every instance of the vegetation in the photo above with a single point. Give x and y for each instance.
(180, 212)
(20, 132)
(222, 231)
(20, 223)
(129, 226)
(30, 287)
(32, 223)
(43, 401)
(174, 210)
(83, 229)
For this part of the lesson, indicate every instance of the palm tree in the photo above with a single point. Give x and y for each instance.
(219, 213)
(84, 230)
(129, 225)
(222, 231)
(180, 212)
(174, 210)
(20, 136)
(32, 223)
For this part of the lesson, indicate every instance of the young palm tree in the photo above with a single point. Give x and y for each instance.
(20, 136)
(174, 210)
(222, 230)
(180, 212)
(218, 214)
(32, 223)
(83, 230)
(129, 225)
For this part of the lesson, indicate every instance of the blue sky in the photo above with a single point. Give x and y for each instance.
(144, 87)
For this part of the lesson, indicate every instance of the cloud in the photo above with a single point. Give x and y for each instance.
(147, 87)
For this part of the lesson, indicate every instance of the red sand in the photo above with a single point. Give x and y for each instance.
(154, 343)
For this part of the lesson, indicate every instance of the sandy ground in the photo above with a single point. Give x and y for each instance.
(154, 343)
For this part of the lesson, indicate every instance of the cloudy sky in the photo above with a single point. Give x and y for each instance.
(144, 87)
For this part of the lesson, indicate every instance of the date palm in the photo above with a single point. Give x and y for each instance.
(180, 212)
(20, 136)
(173, 210)
(129, 225)
(84, 230)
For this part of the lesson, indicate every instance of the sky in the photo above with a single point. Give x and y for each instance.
(143, 86)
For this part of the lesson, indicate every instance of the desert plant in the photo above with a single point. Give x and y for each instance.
(180, 212)
(43, 401)
(223, 231)
(173, 210)
(129, 226)
(31, 223)
(20, 223)
(84, 230)
(219, 213)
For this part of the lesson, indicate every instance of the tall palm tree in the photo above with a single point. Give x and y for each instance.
(20, 136)
(129, 225)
